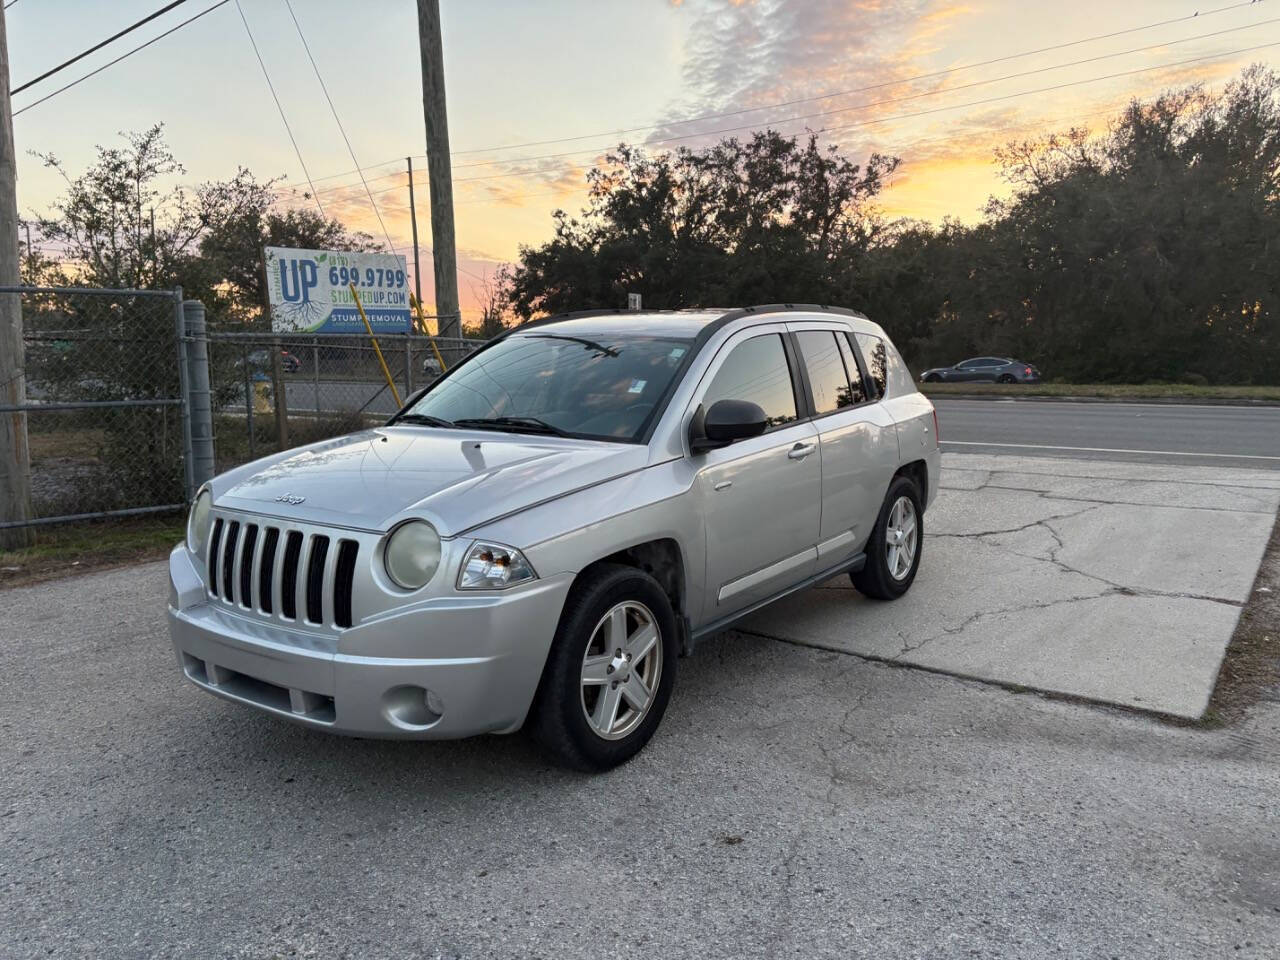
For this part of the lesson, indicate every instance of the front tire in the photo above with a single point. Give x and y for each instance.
(610, 670)
(896, 544)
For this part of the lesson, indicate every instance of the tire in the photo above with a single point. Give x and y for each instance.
(569, 709)
(1007, 378)
(931, 378)
(876, 579)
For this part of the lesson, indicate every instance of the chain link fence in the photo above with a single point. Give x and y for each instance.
(330, 384)
(103, 402)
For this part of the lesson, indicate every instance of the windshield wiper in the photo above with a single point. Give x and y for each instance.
(527, 424)
(423, 419)
(589, 344)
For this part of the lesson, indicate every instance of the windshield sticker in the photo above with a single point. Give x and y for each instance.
(676, 353)
(637, 386)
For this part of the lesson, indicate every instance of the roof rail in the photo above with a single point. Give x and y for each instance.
(786, 307)
(725, 317)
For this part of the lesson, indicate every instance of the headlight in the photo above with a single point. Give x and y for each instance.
(412, 554)
(491, 566)
(199, 521)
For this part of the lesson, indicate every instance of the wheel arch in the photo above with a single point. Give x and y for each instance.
(918, 472)
(663, 559)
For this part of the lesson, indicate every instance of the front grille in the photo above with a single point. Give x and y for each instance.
(248, 569)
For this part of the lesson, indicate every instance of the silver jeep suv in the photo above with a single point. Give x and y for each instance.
(542, 532)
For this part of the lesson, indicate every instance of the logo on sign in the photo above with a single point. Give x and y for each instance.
(297, 279)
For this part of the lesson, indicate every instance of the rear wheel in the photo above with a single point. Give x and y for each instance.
(894, 549)
(610, 671)
(1007, 378)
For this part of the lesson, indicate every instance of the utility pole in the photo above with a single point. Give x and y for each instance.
(15, 455)
(439, 171)
(413, 219)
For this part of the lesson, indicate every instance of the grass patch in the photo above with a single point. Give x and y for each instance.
(60, 551)
(82, 445)
(1108, 391)
(1250, 669)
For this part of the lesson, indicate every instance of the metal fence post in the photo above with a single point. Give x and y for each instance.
(198, 407)
(184, 390)
(408, 365)
(250, 397)
(315, 372)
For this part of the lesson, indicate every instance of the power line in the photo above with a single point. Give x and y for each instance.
(283, 118)
(903, 99)
(351, 150)
(874, 86)
(336, 119)
(97, 46)
(921, 113)
(972, 103)
(112, 63)
(838, 93)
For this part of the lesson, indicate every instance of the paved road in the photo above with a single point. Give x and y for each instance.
(1172, 433)
(795, 803)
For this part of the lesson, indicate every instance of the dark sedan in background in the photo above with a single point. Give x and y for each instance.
(984, 370)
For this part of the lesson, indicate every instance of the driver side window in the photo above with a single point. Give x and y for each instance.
(756, 370)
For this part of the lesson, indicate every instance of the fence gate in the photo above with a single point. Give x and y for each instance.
(104, 374)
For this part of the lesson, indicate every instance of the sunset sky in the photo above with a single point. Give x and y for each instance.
(887, 75)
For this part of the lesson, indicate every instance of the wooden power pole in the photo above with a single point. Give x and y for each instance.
(15, 455)
(439, 170)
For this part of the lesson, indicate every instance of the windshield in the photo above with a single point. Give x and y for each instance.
(606, 388)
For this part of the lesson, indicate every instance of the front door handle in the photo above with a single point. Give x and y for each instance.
(801, 450)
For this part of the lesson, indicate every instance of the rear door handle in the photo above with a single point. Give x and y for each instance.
(801, 450)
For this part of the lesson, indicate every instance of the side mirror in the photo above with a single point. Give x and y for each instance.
(725, 422)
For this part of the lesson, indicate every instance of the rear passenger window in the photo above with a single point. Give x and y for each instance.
(757, 371)
(857, 389)
(827, 377)
(874, 357)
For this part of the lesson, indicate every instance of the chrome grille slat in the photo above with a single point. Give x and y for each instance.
(228, 572)
(248, 552)
(289, 579)
(268, 576)
(313, 593)
(294, 573)
(212, 557)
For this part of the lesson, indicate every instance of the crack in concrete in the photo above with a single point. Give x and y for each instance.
(997, 472)
(1049, 495)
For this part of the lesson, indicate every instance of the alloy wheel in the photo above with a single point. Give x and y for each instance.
(621, 669)
(901, 538)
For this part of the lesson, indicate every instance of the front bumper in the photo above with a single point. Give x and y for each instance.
(480, 657)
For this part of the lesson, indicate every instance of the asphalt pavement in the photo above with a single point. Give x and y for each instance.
(1201, 434)
(795, 803)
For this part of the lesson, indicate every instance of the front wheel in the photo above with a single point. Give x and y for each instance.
(610, 670)
(894, 549)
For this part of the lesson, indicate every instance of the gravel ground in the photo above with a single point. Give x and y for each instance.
(795, 803)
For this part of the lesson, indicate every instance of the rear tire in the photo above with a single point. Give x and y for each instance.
(889, 572)
(1007, 378)
(603, 662)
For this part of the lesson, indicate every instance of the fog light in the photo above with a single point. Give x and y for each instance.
(412, 707)
(434, 703)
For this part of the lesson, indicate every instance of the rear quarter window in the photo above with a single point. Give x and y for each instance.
(885, 366)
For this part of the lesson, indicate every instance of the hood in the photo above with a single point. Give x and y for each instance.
(457, 479)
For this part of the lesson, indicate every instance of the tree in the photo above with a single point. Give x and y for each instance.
(752, 221)
(1147, 252)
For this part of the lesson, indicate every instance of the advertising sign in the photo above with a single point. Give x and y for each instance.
(309, 294)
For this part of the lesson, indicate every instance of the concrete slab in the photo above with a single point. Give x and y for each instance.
(1120, 583)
